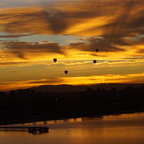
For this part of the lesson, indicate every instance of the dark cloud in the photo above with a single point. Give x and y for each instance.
(59, 18)
(104, 45)
(25, 20)
(19, 49)
(76, 12)
(53, 20)
(107, 44)
(14, 36)
(129, 21)
(58, 22)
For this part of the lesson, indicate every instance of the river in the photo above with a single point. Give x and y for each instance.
(112, 129)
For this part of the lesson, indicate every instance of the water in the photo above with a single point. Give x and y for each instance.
(114, 129)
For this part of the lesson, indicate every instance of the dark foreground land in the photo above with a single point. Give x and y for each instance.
(29, 105)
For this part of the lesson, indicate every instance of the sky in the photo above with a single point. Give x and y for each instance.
(34, 32)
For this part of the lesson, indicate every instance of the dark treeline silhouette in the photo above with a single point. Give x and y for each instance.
(29, 105)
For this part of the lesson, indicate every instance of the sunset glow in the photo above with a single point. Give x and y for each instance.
(31, 35)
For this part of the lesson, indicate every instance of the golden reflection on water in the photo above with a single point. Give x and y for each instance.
(113, 129)
(123, 116)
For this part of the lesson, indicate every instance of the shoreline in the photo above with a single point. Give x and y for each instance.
(44, 118)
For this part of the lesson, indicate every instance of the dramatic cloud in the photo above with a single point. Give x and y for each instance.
(103, 45)
(25, 20)
(106, 18)
(115, 27)
(24, 50)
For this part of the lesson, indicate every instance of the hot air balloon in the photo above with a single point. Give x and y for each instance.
(97, 50)
(94, 61)
(65, 71)
(54, 59)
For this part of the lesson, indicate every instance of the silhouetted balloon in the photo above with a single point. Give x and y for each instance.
(54, 59)
(94, 61)
(65, 71)
(97, 50)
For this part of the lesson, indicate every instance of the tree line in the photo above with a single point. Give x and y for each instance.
(28, 105)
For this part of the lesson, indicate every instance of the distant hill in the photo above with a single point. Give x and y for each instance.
(72, 88)
(61, 88)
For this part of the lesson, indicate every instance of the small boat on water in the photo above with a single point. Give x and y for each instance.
(38, 130)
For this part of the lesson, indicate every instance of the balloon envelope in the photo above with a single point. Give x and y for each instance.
(54, 59)
(94, 61)
(65, 71)
(97, 50)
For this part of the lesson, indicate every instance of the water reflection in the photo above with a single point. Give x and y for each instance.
(107, 129)
(29, 129)
(106, 118)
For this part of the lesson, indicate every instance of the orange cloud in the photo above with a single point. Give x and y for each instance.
(95, 18)
(115, 28)
(81, 80)
(25, 20)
